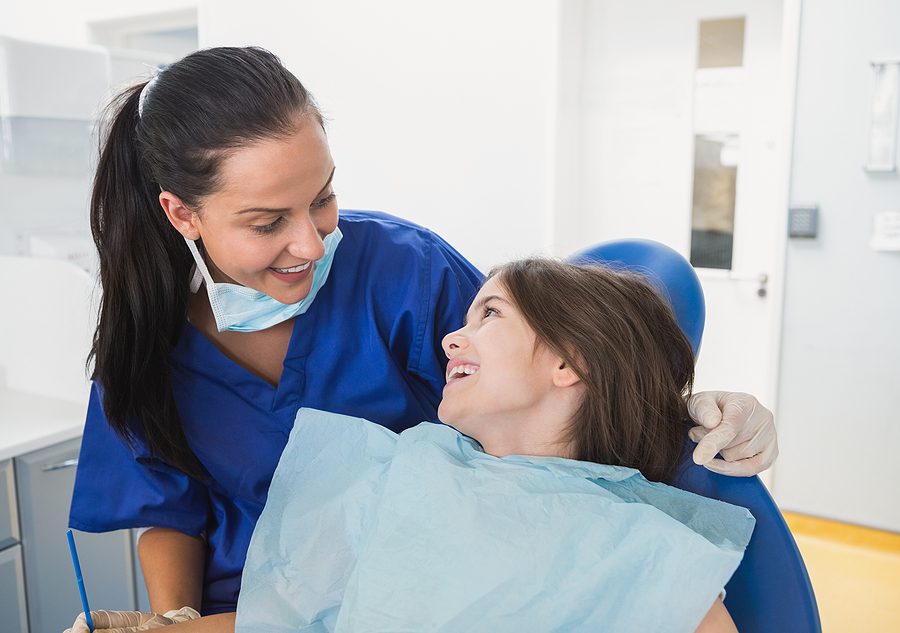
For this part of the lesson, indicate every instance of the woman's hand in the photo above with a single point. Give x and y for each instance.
(735, 425)
(128, 621)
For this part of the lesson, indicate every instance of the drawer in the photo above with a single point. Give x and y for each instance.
(44, 483)
(9, 517)
(12, 591)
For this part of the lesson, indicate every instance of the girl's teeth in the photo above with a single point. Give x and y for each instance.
(463, 370)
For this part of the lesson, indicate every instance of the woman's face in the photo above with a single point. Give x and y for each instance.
(499, 382)
(263, 228)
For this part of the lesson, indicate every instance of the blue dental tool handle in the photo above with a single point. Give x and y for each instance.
(77, 565)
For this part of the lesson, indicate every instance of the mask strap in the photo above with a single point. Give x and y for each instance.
(200, 271)
(196, 279)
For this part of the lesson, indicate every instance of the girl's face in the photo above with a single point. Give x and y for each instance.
(502, 389)
(263, 228)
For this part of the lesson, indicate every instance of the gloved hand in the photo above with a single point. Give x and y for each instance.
(128, 621)
(735, 425)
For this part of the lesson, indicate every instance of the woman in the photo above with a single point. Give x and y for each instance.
(233, 295)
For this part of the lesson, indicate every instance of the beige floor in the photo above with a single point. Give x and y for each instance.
(855, 573)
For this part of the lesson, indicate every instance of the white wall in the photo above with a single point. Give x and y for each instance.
(66, 23)
(839, 405)
(637, 121)
(443, 116)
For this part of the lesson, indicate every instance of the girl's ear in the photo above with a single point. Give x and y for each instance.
(564, 375)
(183, 219)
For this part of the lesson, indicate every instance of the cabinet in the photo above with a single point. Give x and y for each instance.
(12, 591)
(9, 517)
(44, 483)
(12, 580)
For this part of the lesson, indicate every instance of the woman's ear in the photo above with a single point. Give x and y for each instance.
(564, 375)
(183, 219)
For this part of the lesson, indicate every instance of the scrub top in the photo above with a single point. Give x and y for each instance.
(369, 346)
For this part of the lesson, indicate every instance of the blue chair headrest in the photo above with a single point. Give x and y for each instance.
(667, 269)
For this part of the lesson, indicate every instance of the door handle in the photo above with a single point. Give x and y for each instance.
(69, 463)
(762, 279)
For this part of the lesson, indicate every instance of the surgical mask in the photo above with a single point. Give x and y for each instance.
(241, 309)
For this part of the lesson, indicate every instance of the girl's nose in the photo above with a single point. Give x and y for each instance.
(453, 343)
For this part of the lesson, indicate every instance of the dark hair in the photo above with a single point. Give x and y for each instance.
(622, 340)
(194, 112)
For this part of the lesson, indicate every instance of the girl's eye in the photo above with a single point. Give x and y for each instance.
(324, 202)
(489, 311)
(268, 228)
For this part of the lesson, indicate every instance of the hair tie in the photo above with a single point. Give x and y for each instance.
(148, 88)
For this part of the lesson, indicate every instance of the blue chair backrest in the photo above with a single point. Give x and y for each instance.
(770, 591)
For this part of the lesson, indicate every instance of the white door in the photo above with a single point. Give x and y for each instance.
(645, 108)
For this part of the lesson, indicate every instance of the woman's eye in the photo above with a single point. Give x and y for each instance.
(489, 311)
(265, 229)
(324, 202)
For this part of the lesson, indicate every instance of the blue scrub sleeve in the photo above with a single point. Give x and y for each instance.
(118, 487)
(452, 284)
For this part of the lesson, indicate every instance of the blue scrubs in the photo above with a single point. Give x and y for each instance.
(369, 346)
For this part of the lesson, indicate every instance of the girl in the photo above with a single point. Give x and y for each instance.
(554, 361)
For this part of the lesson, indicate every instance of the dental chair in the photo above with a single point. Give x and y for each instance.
(770, 591)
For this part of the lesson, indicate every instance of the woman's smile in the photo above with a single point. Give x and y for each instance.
(294, 274)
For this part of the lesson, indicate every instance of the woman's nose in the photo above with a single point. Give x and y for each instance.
(305, 242)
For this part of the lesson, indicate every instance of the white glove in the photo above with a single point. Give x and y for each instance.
(129, 621)
(735, 425)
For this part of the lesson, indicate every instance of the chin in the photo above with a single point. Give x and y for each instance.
(448, 416)
(290, 297)
(442, 414)
(455, 420)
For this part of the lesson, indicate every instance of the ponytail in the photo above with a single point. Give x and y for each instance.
(197, 110)
(144, 270)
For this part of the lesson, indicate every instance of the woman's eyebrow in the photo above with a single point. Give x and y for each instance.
(285, 210)
(330, 177)
(262, 210)
(481, 303)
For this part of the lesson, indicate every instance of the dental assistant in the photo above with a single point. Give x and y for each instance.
(234, 293)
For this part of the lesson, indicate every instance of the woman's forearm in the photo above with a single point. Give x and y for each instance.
(221, 623)
(172, 563)
(717, 620)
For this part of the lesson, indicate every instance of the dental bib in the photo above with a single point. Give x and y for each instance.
(241, 309)
(365, 530)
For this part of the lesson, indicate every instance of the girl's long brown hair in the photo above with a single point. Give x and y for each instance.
(621, 338)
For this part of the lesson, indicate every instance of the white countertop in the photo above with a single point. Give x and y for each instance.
(29, 422)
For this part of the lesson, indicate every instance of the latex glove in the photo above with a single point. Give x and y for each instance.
(735, 425)
(129, 621)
